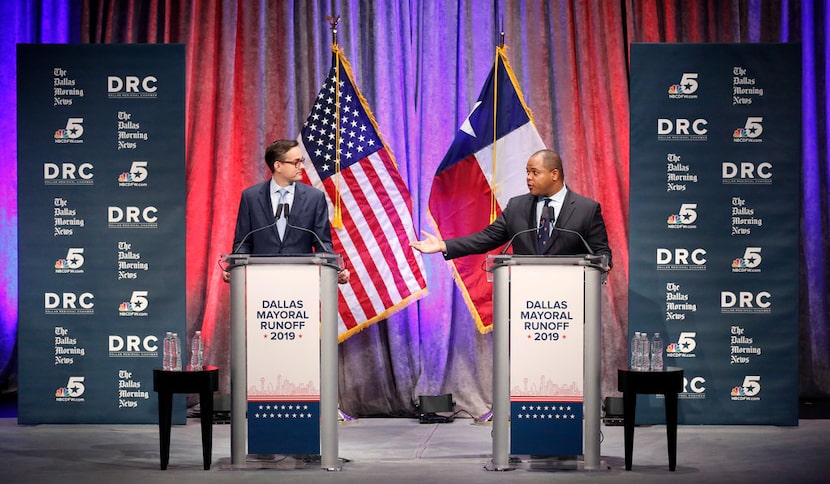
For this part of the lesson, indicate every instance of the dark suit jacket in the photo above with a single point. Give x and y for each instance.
(578, 213)
(308, 210)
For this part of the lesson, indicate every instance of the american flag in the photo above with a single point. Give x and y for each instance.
(371, 204)
(481, 171)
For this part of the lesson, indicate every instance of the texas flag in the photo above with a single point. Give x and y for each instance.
(483, 168)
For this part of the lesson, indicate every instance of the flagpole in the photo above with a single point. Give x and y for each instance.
(493, 199)
(337, 222)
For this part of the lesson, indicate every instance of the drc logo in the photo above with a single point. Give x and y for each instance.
(68, 174)
(72, 133)
(749, 389)
(751, 132)
(132, 87)
(686, 88)
(73, 390)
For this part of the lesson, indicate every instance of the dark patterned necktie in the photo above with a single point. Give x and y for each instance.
(544, 226)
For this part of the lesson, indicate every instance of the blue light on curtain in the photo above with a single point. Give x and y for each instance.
(24, 21)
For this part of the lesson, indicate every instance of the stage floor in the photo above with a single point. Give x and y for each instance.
(402, 450)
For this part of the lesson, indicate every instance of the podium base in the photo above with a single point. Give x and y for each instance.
(547, 464)
(279, 462)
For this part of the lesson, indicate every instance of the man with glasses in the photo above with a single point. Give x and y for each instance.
(273, 214)
(548, 220)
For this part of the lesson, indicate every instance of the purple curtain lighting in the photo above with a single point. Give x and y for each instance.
(23, 22)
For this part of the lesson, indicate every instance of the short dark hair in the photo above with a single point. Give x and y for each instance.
(551, 160)
(276, 151)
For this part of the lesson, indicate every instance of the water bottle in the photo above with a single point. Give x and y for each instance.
(656, 353)
(640, 352)
(645, 362)
(167, 353)
(177, 353)
(635, 348)
(196, 349)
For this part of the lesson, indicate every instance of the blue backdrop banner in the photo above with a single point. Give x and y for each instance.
(101, 197)
(715, 170)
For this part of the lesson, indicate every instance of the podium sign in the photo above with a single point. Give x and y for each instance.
(546, 359)
(283, 359)
(546, 356)
(284, 356)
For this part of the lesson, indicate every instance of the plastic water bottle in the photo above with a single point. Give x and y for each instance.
(635, 351)
(196, 350)
(177, 353)
(167, 352)
(645, 361)
(656, 353)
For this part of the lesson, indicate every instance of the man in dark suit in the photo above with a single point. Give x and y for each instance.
(546, 185)
(273, 214)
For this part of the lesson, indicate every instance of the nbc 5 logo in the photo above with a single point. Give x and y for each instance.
(138, 302)
(687, 84)
(74, 129)
(686, 216)
(750, 387)
(685, 344)
(137, 173)
(750, 260)
(74, 259)
(752, 128)
(74, 387)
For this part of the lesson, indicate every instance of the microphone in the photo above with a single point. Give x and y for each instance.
(317, 237)
(251, 233)
(584, 242)
(510, 242)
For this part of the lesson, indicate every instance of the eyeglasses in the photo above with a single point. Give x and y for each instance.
(299, 162)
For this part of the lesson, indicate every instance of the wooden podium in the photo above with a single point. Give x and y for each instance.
(283, 312)
(546, 308)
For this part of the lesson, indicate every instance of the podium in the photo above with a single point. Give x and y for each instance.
(546, 315)
(283, 327)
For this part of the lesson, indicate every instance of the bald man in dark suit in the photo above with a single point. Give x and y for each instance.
(546, 186)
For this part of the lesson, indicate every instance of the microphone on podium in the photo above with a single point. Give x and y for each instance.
(317, 237)
(569, 231)
(510, 242)
(236, 249)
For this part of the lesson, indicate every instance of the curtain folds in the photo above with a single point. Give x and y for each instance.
(253, 70)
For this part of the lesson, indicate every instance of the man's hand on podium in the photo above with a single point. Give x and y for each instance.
(343, 276)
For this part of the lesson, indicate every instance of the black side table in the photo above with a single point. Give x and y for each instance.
(203, 382)
(668, 382)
